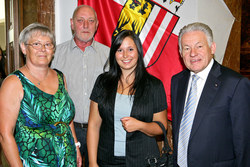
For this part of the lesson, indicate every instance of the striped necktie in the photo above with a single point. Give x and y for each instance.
(187, 122)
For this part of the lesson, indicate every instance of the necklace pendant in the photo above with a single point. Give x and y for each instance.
(33, 76)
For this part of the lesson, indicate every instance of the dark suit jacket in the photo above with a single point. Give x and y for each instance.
(220, 136)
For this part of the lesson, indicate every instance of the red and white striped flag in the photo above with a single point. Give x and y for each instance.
(156, 32)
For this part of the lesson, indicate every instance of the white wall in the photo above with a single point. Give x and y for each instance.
(2, 10)
(2, 36)
(63, 12)
(2, 25)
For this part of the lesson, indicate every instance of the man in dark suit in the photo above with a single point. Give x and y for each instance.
(211, 126)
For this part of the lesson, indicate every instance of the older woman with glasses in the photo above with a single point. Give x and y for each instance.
(35, 104)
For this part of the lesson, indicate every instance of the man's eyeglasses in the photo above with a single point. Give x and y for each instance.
(38, 46)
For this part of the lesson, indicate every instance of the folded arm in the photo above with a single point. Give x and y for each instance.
(131, 124)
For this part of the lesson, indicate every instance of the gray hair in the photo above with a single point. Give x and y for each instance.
(81, 6)
(197, 26)
(34, 28)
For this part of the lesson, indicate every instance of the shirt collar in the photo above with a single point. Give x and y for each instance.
(204, 73)
(73, 45)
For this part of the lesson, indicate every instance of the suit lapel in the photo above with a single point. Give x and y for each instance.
(210, 90)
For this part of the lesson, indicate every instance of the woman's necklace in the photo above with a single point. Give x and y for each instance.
(38, 81)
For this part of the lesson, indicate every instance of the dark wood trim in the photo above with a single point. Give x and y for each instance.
(7, 22)
(12, 29)
(16, 34)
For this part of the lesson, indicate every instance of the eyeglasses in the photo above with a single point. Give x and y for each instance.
(38, 46)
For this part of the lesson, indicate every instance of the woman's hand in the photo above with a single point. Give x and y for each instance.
(79, 158)
(131, 124)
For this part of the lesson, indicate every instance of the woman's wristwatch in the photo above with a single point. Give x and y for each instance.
(78, 144)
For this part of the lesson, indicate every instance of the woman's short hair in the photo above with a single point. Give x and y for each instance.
(197, 26)
(33, 29)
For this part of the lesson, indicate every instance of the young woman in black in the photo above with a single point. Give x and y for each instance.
(125, 102)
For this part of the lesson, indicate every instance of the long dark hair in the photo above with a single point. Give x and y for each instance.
(114, 74)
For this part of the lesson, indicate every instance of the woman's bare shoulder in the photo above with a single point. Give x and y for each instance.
(11, 86)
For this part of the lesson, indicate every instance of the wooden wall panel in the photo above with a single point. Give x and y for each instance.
(46, 13)
(29, 12)
(245, 39)
(232, 54)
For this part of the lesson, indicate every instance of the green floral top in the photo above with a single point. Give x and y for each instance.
(43, 135)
